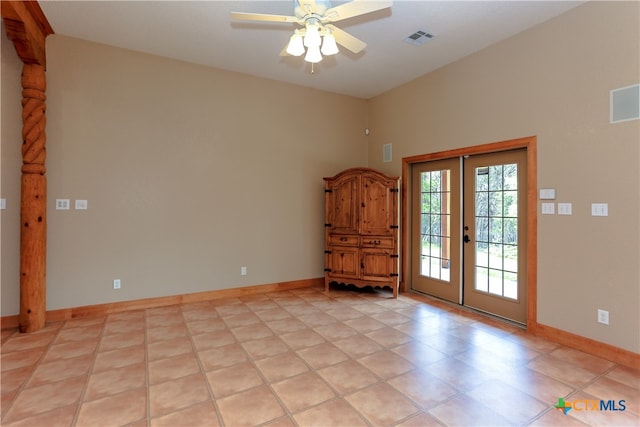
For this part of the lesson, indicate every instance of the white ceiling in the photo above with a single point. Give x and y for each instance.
(202, 32)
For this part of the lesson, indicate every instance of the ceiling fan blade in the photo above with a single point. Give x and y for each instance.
(345, 39)
(355, 8)
(262, 17)
(308, 6)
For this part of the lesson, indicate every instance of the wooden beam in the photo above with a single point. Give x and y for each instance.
(27, 27)
(33, 203)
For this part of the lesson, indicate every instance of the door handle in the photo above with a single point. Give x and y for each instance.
(466, 238)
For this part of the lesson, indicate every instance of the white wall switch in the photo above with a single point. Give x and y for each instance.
(243, 271)
(116, 284)
(62, 204)
(599, 209)
(3, 204)
(547, 193)
(565, 209)
(548, 208)
(82, 205)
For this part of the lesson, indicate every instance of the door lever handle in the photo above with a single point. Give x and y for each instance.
(466, 238)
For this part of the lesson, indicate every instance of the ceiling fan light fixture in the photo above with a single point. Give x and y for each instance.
(315, 19)
(313, 54)
(329, 46)
(295, 47)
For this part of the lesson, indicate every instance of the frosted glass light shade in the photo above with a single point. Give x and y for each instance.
(329, 46)
(295, 47)
(313, 54)
(312, 38)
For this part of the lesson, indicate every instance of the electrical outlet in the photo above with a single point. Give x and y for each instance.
(116, 283)
(243, 271)
(603, 316)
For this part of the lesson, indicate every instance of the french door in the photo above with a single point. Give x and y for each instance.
(436, 242)
(468, 238)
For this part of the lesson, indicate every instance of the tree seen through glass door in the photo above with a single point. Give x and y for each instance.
(435, 224)
(496, 225)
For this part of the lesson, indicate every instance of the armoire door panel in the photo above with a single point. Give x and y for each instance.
(342, 197)
(376, 207)
(344, 262)
(376, 264)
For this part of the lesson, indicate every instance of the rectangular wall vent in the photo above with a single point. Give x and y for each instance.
(419, 38)
(625, 104)
(386, 153)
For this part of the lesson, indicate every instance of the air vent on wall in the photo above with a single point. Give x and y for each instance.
(624, 104)
(419, 38)
(386, 153)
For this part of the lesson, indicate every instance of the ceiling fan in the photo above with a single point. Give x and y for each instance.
(315, 18)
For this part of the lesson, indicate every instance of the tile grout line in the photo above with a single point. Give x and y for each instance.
(288, 412)
(35, 367)
(338, 395)
(76, 415)
(203, 372)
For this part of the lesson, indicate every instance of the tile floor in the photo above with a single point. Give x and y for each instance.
(300, 357)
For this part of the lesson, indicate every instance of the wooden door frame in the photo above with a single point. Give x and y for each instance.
(530, 144)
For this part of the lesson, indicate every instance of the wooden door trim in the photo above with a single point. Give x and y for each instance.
(530, 144)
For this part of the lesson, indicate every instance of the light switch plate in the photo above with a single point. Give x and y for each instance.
(599, 209)
(548, 208)
(3, 204)
(81, 205)
(547, 193)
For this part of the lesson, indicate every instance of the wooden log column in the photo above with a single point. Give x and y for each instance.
(33, 204)
(27, 26)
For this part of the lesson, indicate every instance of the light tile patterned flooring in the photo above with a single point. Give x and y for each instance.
(301, 357)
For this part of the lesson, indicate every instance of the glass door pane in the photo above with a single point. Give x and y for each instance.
(435, 224)
(496, 224)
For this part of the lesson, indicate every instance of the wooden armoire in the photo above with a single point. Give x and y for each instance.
(361, 229)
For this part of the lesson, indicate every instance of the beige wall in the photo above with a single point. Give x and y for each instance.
(552, 81)
(192, 172)
(189, 172)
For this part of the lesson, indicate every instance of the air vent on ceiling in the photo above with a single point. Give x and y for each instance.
(419, 38)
